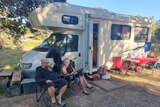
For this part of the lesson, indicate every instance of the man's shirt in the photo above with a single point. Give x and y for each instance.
(43, 74)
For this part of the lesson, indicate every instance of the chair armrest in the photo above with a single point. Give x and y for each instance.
(61, 76)
(65, 75)
(41, 84)
(69, 75)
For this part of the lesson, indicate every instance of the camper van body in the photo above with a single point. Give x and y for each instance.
(92, 36)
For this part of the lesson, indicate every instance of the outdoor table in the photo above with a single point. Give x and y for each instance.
(1, 69)
(145, 60)
(137, 62)
(131, 60)
(6, 74)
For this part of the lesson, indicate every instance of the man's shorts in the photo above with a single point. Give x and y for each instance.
(59, 83)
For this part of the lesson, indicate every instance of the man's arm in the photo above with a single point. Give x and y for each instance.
(39, 77)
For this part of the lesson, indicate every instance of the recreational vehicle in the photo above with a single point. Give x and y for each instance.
(89, 36)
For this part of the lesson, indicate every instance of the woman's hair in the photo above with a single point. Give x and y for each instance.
(66, 60)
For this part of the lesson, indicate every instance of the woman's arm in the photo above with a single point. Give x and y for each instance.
(64, 71)
(73, 69)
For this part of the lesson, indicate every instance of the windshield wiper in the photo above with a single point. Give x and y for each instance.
(42, 49)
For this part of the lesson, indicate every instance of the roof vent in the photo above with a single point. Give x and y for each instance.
(63, 1)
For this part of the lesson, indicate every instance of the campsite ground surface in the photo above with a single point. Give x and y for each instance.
(142, 90)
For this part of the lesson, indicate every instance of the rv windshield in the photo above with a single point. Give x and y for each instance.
(65, 43)
(54, 39)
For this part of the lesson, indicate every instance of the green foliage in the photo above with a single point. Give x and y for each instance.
(1, 90)
(158, 23)
(154, 28)
(16, 12)
(13, 28)
(21, 8)
(157, 35)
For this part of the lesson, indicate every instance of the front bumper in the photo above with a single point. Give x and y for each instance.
(28, 73)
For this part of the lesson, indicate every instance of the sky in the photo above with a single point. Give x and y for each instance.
(147, 8)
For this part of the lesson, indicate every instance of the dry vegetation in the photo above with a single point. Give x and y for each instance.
(144, 79)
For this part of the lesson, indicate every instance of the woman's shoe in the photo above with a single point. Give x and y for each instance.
(90, 87)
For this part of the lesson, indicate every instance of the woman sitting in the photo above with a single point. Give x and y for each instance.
(69, 69)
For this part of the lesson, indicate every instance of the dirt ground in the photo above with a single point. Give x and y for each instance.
(142, 90)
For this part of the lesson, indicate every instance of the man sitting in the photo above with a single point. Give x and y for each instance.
(50, 78)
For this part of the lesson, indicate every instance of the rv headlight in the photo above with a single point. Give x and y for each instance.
(26, 65)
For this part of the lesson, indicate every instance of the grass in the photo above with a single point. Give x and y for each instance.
(1, 91)
(9, 57)
(30, 44)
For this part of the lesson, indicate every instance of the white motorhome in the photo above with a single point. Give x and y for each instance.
(89, 36)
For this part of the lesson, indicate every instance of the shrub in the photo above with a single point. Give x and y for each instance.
(5, 41)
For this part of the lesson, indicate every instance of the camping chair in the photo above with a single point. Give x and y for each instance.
(41, 88)
(119, 65)
(71, 79)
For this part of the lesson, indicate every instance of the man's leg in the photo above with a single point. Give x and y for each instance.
(61, 92)
(62, 85)
(51, 92)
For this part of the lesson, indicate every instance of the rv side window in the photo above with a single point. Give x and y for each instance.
(66, 19)
(120, 32)
(72, 43)
(141, 34)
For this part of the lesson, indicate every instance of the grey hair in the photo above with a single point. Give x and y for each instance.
(44, 60)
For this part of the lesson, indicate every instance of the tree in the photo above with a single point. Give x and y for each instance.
(13, 27)
(158, 23)
(21, 8)
(13, 14)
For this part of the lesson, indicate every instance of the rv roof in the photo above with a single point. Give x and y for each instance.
(103, 13)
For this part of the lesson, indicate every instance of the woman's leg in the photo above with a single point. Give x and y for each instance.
(83, 84)
(86, 82)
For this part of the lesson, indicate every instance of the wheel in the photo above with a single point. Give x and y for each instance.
(126, 64)
(138, 68)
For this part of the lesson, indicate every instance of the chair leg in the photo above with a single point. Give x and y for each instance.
(45, 102)
(38, 98)
(154, 67)
(42, 93)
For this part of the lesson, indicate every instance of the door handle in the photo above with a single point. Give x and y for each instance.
(90, 48)
(79, 54)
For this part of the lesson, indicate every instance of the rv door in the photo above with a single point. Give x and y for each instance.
(90, 45)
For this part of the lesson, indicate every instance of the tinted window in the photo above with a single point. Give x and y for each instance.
(141, 34)
(120, 32)
(66, 19)
(65, 43)
(72, 43)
